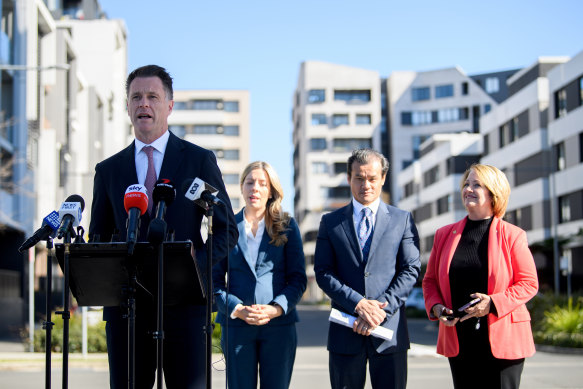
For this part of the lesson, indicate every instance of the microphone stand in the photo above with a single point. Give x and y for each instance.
(208, 328)
(48, 324)
(156, 235)
(65, 313)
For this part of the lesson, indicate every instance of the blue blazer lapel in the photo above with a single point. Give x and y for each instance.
(242, 241)
(348, 226)
(381, 225)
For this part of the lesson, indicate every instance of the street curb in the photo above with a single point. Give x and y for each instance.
(558, 350)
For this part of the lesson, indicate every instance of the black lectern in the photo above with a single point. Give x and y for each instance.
(103, 274)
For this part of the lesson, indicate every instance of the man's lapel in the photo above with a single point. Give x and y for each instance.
(348, 226)
(381, 227)
(172, 158)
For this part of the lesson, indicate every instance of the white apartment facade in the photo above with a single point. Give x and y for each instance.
(336, 109)
(217, 120)
(565, 132)
(431, 184)
(425, 103)
(516, 140)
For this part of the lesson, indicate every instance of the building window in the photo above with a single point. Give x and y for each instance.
(318, 144)
(513, 130)
(560, 103)
(581, 91)
(564, 209)
(492, 85)
(501, 138)
(350, 144)
(180, 105)
(319, 168)
(340, 167)
(444, 204)
(406, 118)
(486, 144)
(316, 96)
(581, 147)
(363, 119)
(443, 91)
(231, 178)
(339, 192)
(6, 171)
(232, 130)
(420, 94)
(560, 155)
(339, 120)
(421, 117)
(447, 115)
(206, 129)
(178, 130)
(207, 105)
(231, 106)
(487, 108)
(464, 113)
(465, 88)
(318, 119)
(230, 155)
(352, 96)
(431, 176)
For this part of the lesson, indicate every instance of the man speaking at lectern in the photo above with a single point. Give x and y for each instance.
(154, 154)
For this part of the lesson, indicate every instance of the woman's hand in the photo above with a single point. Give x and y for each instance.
(272, 311)
(480, 309)
(252, 315)
(441, 313)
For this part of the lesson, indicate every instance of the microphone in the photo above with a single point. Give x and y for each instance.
(70, 214)
(163, 194)
(135, 202)
(200, 192)
(48, 229)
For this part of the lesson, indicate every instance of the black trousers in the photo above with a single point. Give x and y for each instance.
(485, 372)
(184, 348)
(387, 371)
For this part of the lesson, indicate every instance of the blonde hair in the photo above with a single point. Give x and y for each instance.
(276, 220)
(495, 181)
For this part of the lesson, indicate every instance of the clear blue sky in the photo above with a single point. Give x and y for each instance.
(259, 45)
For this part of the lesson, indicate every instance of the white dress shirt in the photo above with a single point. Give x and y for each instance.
(159, 146)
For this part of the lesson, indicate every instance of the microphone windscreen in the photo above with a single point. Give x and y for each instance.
(164, 190)
(136, 197)
(76, 199)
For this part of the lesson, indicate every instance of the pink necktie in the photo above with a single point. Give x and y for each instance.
(150, 176)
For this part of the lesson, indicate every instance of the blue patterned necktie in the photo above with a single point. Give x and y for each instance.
(365, 226)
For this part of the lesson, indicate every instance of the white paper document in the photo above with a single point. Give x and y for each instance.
(347, 320)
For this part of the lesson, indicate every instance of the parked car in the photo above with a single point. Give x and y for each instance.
(415, 299)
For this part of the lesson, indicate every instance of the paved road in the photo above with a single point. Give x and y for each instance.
(426, 369)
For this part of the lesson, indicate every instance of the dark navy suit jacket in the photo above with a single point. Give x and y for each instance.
(389, 274)
(182, 160)
(279, 276)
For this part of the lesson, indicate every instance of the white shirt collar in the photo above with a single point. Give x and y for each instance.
(159, 144)
(357, 207)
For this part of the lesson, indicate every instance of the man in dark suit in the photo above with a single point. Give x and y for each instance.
(367, 261)
(157, 153)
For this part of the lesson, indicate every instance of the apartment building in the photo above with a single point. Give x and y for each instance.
(421, 104)
(64, 112)
(516, 140)
(565, 133)
(217, 120)
(336, 109)
(431, 184)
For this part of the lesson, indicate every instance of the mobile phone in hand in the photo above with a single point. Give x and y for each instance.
(470, 304)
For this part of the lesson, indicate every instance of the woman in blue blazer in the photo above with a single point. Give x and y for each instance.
(258, 289)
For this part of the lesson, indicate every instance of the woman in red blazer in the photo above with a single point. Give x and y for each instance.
(483, 259)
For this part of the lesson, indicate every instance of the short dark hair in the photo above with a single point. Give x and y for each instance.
(152, 71)
(363, 156)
